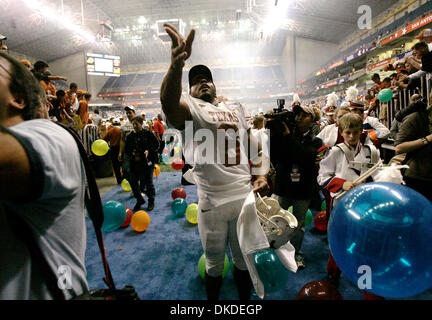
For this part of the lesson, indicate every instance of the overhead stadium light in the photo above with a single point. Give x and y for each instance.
(48, 13)
(142, 20)
(276, 16)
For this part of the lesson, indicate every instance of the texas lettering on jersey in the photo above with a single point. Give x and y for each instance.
(223, 116)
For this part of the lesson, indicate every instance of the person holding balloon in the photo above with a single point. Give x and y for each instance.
(222, 186)
(142, 149)
(345, 163)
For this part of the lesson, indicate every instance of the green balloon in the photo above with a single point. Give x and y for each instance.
(202, 266)
(385, 95)
(290, 209)
(323, 206)
(309, 218)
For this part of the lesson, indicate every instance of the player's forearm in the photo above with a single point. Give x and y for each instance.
(171, 91)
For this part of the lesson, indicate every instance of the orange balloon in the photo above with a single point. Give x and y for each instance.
(156, 170)
(373, 135)
(140, 221)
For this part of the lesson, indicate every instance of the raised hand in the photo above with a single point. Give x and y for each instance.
(181, 49)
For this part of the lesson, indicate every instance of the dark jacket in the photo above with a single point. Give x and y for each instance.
(137, 143)
(413, 107)
(416, 126)
(427, 62)
(295, 150)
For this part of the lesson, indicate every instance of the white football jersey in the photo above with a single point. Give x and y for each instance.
(216, 183)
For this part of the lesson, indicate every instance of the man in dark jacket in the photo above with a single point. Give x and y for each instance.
(415, 139)
(293, 155)
(142, 148)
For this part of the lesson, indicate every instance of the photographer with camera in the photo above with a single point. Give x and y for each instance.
(293, 154)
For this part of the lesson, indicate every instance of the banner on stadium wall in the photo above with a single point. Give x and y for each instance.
(302, 81)
(320, 72)
(122, 94)
(408, 29)
(386, 62)
(337, 64)
(353, 56)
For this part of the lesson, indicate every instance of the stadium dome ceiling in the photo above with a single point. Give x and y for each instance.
(52, 29)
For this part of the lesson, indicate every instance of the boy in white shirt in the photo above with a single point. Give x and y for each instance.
(345, 163)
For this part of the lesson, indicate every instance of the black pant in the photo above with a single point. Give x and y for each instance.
(141, 175)
(116, 163)
(421, 186)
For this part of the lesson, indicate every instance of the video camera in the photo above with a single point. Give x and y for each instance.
(279, 116)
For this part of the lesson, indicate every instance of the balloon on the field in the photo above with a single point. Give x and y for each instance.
(140, 221)
(192, 213)
(202, 266)
(178, 193)
(114, 215)
(323, 206)
(100, 147)
(126, 186)
(309, 218)
(156, 171)
(165, 157)
(319, 290)
(320, 221)
(271, 271)
(384, 232)
(128, 219)
(385, 95)
(177, 164)
(179, 206)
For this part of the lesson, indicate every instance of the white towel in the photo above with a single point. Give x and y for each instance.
(189, 176)
(253, 239)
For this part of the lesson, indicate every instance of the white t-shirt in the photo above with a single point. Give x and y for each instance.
(216, 183)
(56, 215)
(125, 129)
(76, 103)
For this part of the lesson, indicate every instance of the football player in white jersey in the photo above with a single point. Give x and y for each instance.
(222, 187)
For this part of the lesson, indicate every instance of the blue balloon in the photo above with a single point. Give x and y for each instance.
(271, 271)
(179, 207)
(114, 215)
(388, 228)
